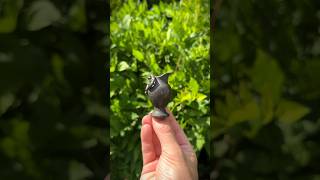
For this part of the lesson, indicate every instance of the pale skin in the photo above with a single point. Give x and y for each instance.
(167, 153)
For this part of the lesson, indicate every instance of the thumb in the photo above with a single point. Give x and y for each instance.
(166, 135)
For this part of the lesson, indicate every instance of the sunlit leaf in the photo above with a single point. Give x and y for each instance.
(137, 54)
(290, 111)
(194, 86)
(123, 66)
(42, 14)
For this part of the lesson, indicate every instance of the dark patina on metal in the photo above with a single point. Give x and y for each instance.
(159, 92)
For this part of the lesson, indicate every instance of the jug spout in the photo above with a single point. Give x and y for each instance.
(165, 77)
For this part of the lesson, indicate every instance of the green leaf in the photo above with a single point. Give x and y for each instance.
(249, 111)
(153, 64)
(8, 146)
(58, 66)
(42, 14)
(15, 145)
(267, 77)
(9, 10)
(115, 106)
(6, 100)
(126, 21)
(201, 97)
(77, 16)
(122, 66)
(114, 62)
(78, 171)
(134, 116)
(200, 142)
(184, 96)
(137, 54)
(290, 112)
(193, 86)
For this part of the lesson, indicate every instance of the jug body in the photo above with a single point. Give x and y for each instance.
(159, 92)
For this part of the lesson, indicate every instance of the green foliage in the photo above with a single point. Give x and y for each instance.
(42, 14)
(168, 37)
(9, 10)
(266, 122)
(52, 92)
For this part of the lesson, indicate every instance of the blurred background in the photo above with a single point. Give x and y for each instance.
(155, 37)
(266, 120)
(52, 89)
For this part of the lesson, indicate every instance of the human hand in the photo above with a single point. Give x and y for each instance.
(166, 151)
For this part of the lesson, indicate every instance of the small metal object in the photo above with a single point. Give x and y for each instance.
(159, 92)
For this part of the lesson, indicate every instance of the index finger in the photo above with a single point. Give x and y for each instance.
(180, 135)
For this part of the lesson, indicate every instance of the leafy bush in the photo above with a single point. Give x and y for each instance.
(266, 115)
(168, 37)
(52, 92)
